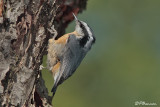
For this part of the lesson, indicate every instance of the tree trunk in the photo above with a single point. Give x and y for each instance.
(25, 28)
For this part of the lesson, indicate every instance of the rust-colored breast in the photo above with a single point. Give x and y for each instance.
(56, 68)
(63, 39)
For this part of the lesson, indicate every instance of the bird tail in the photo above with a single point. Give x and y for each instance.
(54, 90)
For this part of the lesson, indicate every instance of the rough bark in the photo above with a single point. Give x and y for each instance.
(25, 28)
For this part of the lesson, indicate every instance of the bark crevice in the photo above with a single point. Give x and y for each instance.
(25, 28)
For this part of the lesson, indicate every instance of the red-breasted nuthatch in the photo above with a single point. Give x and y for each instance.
(66, 53)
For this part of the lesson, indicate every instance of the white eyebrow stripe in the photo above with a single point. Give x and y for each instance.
(88, 30)
(88, 44)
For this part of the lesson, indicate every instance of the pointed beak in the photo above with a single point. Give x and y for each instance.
(75, 17)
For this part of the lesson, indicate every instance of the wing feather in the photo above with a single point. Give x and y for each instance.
(73, 55)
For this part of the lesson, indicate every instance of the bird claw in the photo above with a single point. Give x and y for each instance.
(52, 31)
(41, 67)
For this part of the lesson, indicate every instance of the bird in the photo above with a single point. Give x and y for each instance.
(67, 52)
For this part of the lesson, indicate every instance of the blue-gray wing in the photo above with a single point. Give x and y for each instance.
(73, 55)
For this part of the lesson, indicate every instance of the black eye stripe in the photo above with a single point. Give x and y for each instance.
(84, 40)
(94, 39)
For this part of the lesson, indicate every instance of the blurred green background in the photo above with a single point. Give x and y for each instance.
(124, 64)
